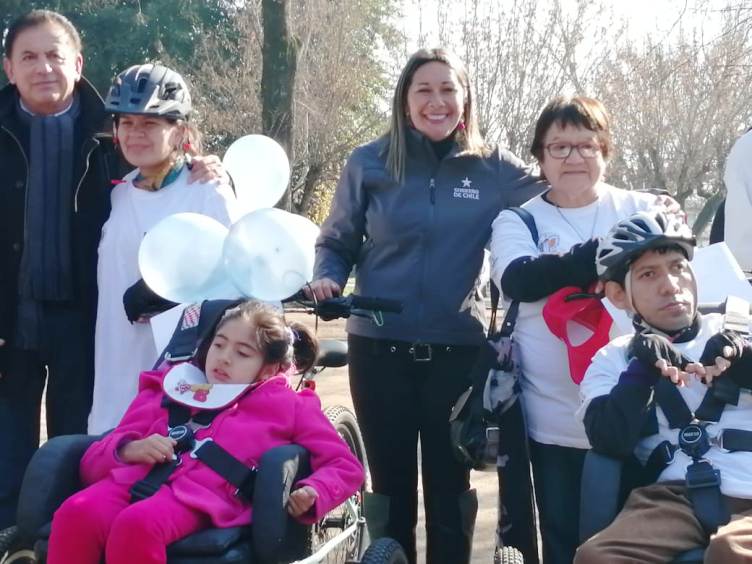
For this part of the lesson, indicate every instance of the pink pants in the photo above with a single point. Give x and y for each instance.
(100, 521)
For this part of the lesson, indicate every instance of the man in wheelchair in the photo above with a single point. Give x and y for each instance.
(675, 395)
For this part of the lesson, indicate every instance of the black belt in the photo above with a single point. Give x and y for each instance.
(418, 352)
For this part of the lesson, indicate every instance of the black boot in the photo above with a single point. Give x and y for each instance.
(450, 522)
(384, 518)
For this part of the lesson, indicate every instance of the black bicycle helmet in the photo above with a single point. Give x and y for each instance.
(632, 236)
(151, 90)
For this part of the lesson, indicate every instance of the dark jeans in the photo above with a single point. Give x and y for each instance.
(398, 399)
(517, 522)
(557, 472)
(66, 361)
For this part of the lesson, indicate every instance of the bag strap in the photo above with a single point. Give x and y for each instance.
(507, 326)
(529, 221)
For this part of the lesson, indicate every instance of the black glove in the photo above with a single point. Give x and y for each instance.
(740, 370)
(715, 345)
(580, 261)
(140, 300)
(650, 348)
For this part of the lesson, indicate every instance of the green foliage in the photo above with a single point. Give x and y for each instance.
(347, 50)
(120, 33)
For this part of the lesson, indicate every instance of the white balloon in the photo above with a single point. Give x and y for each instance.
(180, 258)
(269, 253)
(259, 169)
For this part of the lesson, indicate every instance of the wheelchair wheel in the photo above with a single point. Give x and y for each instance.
(11, 549)
(508, 555)
(350, 512)
(384, 551)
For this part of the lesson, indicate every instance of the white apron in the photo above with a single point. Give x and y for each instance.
(124, 350)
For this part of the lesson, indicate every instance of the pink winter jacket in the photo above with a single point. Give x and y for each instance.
(269, 415)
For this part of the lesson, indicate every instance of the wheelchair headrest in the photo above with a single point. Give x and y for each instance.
(197, 322)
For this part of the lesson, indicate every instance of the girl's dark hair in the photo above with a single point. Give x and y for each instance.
(279, 342)
(40, 17)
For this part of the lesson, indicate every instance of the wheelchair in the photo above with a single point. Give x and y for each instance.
(606, 483)
(274, 536)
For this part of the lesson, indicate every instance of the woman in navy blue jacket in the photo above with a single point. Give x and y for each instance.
(412, 213)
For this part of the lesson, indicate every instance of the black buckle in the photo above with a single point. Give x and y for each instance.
(693, 440)
(702, 475)
(422, 352)
(183, 437)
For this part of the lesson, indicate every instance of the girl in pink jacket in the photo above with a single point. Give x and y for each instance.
(242, 404)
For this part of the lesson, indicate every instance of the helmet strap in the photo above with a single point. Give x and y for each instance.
(642, 326)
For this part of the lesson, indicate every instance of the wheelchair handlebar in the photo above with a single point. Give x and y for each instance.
(344, 306)
(375, 304)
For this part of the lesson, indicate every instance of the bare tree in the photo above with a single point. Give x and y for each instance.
(521, 53)
(279, 68)
(678, 108)
(343, 52)
(346, 50)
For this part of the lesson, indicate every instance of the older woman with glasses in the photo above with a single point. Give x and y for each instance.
(572, 144)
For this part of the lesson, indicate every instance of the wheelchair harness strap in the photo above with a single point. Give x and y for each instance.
(702, 480)
(181, 428)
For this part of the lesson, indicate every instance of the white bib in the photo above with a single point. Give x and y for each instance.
(187, 385)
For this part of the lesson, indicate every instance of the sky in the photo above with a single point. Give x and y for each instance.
(658, 18)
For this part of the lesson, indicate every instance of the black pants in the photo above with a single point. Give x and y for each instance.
(397, 400)
(517, 525)
(66, 361)
(557, 472)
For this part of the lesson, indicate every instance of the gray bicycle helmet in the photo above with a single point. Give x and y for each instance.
(151, 90)
(632, 236)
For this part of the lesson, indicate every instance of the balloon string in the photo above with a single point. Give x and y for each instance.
(315, 309)
(378, 318)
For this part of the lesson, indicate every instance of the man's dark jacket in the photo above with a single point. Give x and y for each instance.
(96, 164)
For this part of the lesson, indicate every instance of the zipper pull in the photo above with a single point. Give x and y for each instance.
(432, 190)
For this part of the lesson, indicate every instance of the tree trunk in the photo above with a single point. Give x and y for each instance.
(707, 213)
(280, 61)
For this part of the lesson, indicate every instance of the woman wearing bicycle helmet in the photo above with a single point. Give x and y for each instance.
(413, 211)
(572, 144)
(151, 106)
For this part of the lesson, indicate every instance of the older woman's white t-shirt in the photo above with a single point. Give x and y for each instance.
(550, 397)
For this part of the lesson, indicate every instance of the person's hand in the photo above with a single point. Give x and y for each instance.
(672, 206)
(208, 168)
(721, 351)
(301, 500)
(141, 303)
(709, 372)
(726, 344)
(154, 449)
(681, 376)
(657, 352)
(323, 289)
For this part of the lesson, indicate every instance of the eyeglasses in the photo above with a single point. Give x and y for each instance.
(563, 150)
